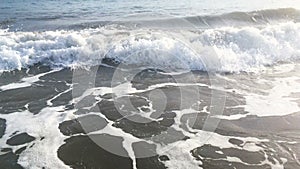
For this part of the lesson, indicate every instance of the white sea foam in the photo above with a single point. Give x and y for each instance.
(44, 152)
(249, 48)
(25, 82)
(232, 49)
(277, 97)
(277, 102)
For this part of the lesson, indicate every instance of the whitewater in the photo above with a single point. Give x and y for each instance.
(235, 49)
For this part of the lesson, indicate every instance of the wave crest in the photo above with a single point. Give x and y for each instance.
(237, 49)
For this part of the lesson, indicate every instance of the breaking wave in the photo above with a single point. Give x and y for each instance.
(235, 49)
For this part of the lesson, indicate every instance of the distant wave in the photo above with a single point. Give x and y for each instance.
(248, 18)
(237, 19)
(236, 49)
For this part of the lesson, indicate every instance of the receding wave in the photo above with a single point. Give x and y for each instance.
(232, 49)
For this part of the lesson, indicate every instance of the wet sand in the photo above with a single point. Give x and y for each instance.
(277, 137)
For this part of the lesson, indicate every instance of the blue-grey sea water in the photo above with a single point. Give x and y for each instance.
(53, 14)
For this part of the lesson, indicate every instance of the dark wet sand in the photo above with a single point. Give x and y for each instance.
(80, 152)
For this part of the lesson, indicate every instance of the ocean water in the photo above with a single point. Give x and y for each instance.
(149, 84)
(67, 33)
(32, 15)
